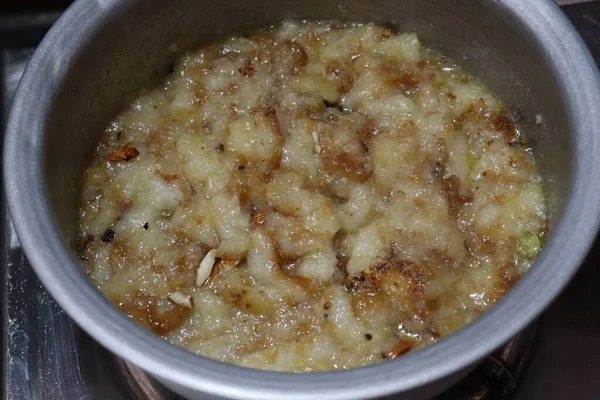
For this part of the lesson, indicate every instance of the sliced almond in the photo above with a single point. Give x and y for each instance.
(124, 153)
(206, 267)
(258, 218)
(229, 263)
(315, 137)
(399, 349)
(221, 265)
(213, 275)
(184, 300)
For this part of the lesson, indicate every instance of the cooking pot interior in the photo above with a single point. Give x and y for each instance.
(134, 47)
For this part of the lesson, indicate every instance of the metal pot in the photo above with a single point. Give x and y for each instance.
(102, 51)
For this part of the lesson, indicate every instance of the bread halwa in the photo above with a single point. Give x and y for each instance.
(310, 197)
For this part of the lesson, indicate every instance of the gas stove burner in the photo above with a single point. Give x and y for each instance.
(495, 378)
(142, 385)
(498, 375)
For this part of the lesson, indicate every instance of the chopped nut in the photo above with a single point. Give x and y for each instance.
(213, 275)
(184, 300)
(206, 266)
(229, 263)
(220, 266)
(258, 218)
(315, 137)
(124, 153)
(399, 349)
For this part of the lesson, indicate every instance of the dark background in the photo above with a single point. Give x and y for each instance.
(32, 5)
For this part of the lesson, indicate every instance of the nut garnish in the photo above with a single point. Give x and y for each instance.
(315, 137)
(220, 266)
(229, 263)
(124, 153)
(184, 300)
(258, 218)
(399, 349)
(205, 268)
(213, 275)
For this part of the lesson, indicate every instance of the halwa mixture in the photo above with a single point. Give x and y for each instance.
(311, 197)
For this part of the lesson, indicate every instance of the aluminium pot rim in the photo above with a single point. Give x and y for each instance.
(59, 271)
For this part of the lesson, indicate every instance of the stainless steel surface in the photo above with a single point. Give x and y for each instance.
(47, 356)
(525, 50)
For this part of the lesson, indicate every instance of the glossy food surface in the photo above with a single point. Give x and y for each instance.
(311, 197)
